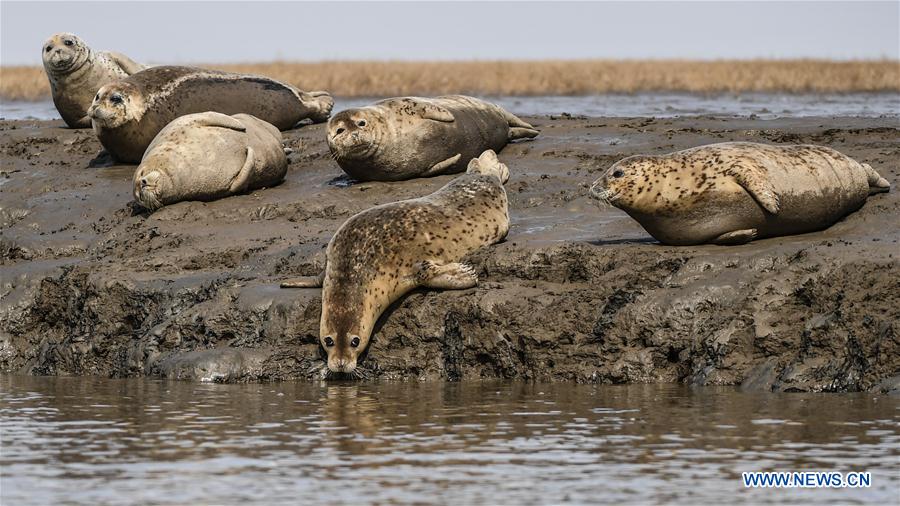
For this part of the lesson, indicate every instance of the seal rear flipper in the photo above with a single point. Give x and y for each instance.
(516, 133)
(877, 184)
(441, 167)
(756, 181)
(452, 276)
(319, 104)
(240, 180)
(125, 63)
(305, 282)
(736, 237)
(489, 164)
(515, 121)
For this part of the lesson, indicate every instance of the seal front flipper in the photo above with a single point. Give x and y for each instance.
(736, 237)
(306, 282)
(240, 180)
(452, 276)
(217, 119)
(125, 63)
(422, 108)
(756, 181)
(441, 167)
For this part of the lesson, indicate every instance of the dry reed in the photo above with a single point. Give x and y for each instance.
(553, 77)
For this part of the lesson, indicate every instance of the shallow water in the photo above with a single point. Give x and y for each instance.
(660, 105)
(137, 441)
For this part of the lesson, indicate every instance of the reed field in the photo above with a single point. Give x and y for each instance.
(549, 77)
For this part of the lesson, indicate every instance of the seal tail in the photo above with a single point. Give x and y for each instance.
(489, 164)
(877, 184)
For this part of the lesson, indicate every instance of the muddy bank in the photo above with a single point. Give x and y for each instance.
(92, 286)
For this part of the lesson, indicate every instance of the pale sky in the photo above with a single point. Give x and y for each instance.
(221, 32)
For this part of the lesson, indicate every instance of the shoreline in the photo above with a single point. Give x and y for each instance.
(575, 293)
(541, 77)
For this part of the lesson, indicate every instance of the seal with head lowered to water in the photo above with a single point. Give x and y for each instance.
(382, 253)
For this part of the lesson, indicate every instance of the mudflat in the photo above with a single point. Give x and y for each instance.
(93, 285)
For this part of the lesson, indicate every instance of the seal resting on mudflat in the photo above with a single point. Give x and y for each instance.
(76, 72)
(734, 192)
(384, 252)
(408, 137)
(127, 114)
(207, 156)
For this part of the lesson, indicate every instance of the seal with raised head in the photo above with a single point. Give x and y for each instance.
(209, 155)
(734, 192)
(403, 138)
(76, 72)
(384, 252)
(127, 114)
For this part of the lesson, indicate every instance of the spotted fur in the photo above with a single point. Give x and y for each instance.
(76, 72)
(382, 253)
(735, 192)
(407, 137)
(129, 113)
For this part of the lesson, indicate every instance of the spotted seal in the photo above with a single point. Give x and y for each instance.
(403, 138)
(734, 192)
(76, 72)
(384, 252)
(127, 114)
(209, 155)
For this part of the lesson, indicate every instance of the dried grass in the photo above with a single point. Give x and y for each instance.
(552, 77)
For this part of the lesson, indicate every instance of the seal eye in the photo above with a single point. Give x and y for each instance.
(47, 49)
(116, 99)
(329, 341)
(618, 173)
(354, 342)
(361, 123)
(339, 131)
(68, 42)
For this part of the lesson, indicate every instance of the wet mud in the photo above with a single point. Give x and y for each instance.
(93, 285)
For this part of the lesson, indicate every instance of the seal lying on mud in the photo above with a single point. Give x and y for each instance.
(76, 72)
(384, 252)
(403, 138)
(207, 156)
(128, 114)
(734, 192)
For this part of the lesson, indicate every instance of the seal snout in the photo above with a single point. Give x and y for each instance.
(146, 190)
(342, 364)
(601, 193)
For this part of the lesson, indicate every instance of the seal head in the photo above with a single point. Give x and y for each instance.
(623, 184)
(64, 52)
(116, 104)
(356, 134)
(148, 186)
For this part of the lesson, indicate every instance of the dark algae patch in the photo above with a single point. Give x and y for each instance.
(92, 286)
